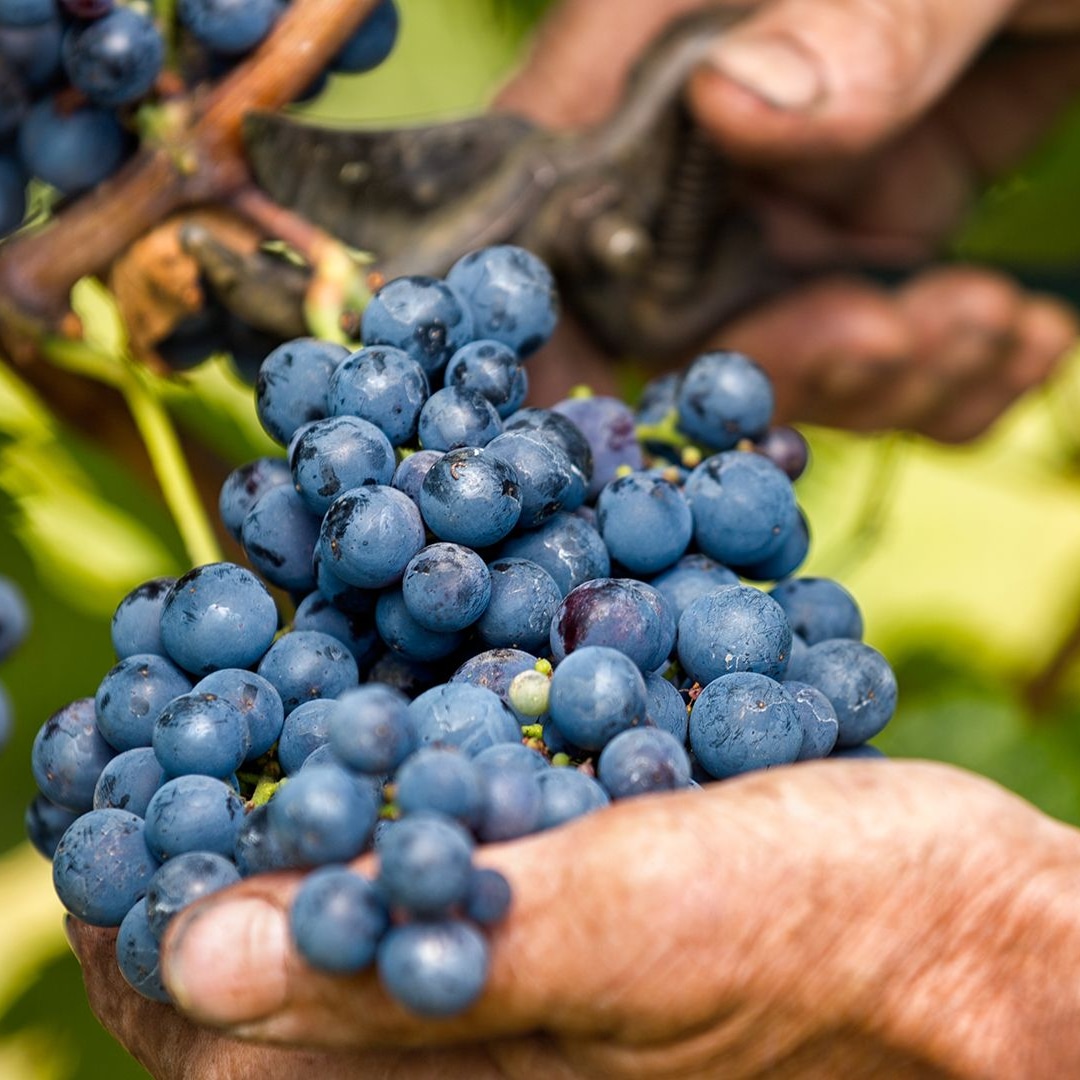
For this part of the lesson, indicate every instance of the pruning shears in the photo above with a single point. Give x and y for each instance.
(640, 218)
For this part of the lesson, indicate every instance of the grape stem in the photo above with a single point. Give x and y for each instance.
(202, 163)
(171, 469)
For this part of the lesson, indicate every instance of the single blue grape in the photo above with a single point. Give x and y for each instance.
(511, 295)
(596, 692)
(744, 721)
(542, 469)
(453, 417)
(132, 694)
(787, 558)
(369, 535)
(493, 370)
(129, 781)
(114, 60)
(201, 733)
(442, 780)
(467, 718)
(335, 455)
(306, 664)
(384, 386)
(786, 448)
(423, 316)
(230, 27)
(371, 729)
(102, 866)
(666, 708)
(294, 383)
(724, 397)
(489, 897)
(494, 669)
(569, 794)
(858, 681)
(819, 609)
(567, 547)
(524, 599)
(645, 522)
(337, 919)
(818, 719)
(559, 430)
(138, 954)
(245, 485)
(279, 536)
(735, 628)
(609, 426)
(356, 632)
(256, 699)
(371, 43)
(306, 728)
(470, 497)
(193, 813)
(68, 755)
(258, 849)
(434, 969)
(641, 761)
(136, 623)
(620, 613)
(46, 823)
(402, 633)
(182, 881)
(72, 149)
(743, 506)
(512, 801)
(410, 473)
(446, 587)
(425, 862)
(218, 616)
(324, 814)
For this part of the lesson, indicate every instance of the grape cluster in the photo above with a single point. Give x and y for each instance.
(72, 73)
(505, 617)
(14, 625)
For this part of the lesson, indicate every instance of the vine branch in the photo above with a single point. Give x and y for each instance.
(203, 162)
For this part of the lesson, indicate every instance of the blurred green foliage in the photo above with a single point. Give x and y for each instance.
(966, 561)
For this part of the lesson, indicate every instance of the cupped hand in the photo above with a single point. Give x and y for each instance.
(868, 129)
(879, 919)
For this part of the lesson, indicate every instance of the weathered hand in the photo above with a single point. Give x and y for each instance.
(868, 129)
(851, 919)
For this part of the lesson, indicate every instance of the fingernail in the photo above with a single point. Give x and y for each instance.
(225, 964)
(775, 70)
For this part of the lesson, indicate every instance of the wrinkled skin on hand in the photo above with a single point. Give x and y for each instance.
(855, 919)
(868, 128)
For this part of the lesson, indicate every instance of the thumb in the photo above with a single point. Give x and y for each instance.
(804, 77)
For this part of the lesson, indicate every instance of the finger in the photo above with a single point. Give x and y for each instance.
(562, 84)
(829, 347)
(171, 1047)
(817, 77)
(1044, 333)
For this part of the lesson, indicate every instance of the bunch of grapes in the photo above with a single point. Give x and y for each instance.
(73, 73)
(14, 625)
(503, 618)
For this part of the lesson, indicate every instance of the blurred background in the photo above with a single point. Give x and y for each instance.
(966, 561)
